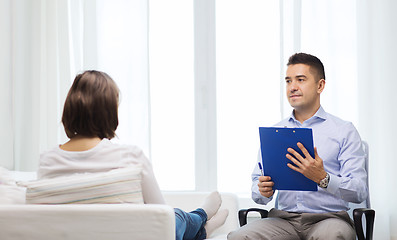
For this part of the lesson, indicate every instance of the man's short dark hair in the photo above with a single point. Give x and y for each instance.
(315, 64)
(91, 106)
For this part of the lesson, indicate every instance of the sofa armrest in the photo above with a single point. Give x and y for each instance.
(89, 221)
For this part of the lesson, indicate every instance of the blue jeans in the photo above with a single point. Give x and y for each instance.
(190, 226)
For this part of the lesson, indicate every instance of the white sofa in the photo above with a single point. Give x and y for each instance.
(75, 222)
(106, 221)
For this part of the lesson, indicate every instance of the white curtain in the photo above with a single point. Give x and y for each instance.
(377, 51)
(33, 77)
(43, 45)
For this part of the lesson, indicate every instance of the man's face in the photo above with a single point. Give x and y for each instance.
(303, 91)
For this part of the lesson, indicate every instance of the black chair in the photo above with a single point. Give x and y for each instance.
(357, 214)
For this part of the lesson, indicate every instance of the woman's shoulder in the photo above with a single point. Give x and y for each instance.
(121, 147)
(103, 157)
(126, 152)
(50, 153)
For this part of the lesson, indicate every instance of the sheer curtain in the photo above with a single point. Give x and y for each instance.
(377, 51)
(33, 77)
(44, 44)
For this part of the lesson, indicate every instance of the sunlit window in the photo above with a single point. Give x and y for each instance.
(248, 85)
(172, 92)
(248, 88)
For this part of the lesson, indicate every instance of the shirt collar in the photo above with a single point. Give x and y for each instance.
(320, 114)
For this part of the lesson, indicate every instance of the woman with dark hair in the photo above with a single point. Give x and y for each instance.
(90, 120)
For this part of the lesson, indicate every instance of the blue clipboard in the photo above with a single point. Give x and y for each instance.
(274, 144)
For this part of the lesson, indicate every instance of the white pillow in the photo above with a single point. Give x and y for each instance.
(121, 185)
(10, 193)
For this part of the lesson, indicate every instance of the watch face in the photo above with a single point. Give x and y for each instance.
(324, 182)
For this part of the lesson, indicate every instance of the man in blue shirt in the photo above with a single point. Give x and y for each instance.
(338, 167)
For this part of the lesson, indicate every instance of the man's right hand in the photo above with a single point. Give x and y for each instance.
(266, 186)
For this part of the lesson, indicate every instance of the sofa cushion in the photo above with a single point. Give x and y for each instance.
(116, 186)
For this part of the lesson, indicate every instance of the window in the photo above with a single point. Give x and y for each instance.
(247, 95)
(172, 93)
(248, 85)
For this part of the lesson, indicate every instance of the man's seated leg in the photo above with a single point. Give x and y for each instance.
(264, 229)
(332, 228)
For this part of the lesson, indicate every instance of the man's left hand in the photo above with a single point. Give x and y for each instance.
(306, 165)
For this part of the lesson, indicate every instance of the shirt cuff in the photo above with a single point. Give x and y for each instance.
(259, 199)
(334, 183)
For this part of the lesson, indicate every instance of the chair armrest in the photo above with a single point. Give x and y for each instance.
(370, 218)
(243, 213)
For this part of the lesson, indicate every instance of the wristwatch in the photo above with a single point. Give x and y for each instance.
(324, 182)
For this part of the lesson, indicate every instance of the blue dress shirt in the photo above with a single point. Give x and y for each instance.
(339, 146)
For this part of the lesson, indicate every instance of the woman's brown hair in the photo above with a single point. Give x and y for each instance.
(90, 108)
